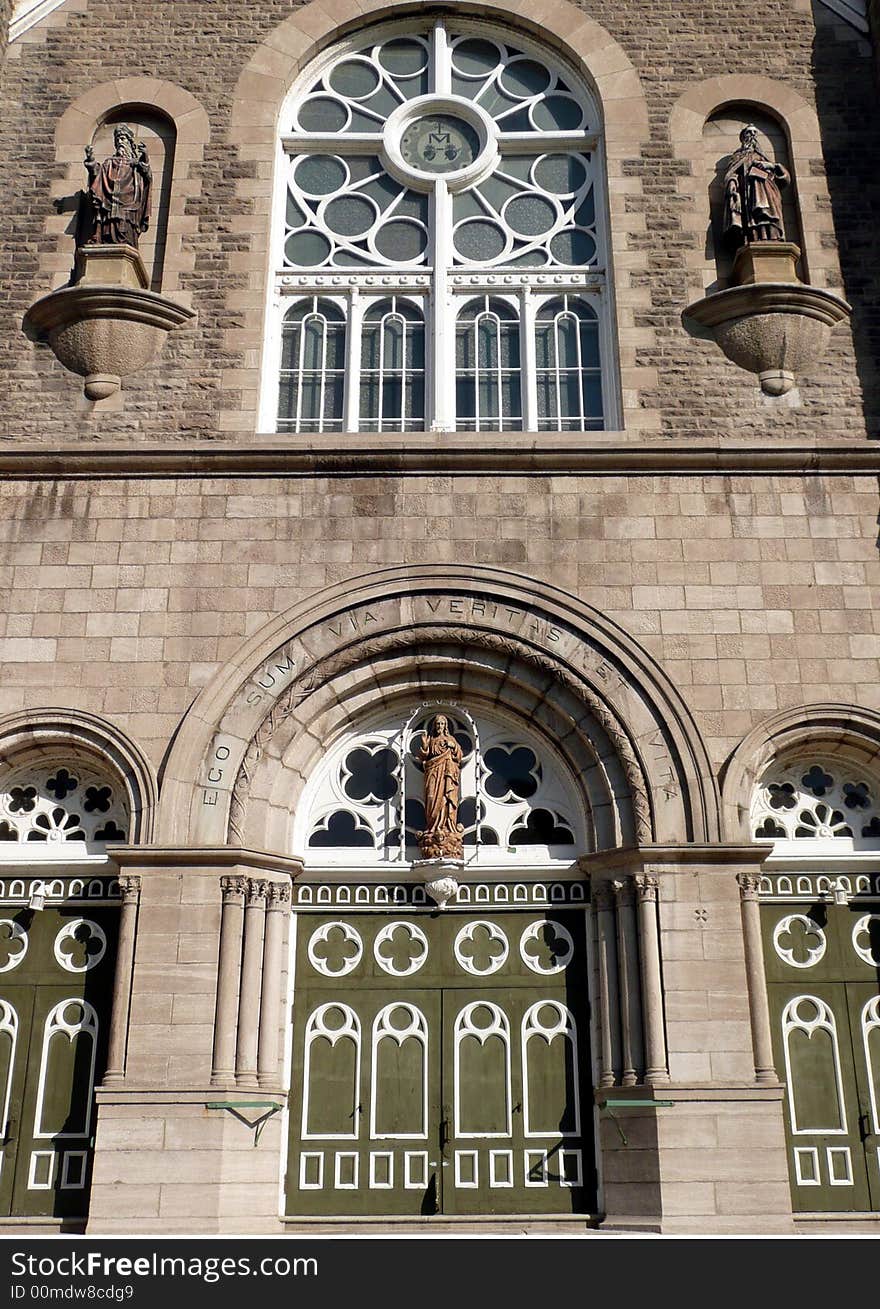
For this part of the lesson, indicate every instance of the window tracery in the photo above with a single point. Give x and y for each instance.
(442, 180)
(365, 804)
(62, 802)
(815, 798)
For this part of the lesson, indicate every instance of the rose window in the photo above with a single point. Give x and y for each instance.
(62, 803)
(440, 218)
(816, 799)
(365, 803)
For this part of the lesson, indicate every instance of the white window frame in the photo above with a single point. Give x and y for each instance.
(445, 287)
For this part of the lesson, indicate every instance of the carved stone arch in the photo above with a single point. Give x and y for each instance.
(501, 628)
(442, 664)
(33, 733)
(833, 730)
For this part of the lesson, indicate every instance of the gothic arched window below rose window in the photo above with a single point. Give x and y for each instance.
(440, 250)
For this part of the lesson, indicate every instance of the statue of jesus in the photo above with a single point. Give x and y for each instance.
(440, 756)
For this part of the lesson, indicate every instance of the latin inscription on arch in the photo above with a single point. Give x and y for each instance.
(287, 670)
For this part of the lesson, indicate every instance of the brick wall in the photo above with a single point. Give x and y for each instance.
(206, 45)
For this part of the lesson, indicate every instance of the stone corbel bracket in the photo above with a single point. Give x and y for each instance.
(107, 325)
(775, 329)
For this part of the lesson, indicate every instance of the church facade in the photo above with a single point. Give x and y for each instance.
(439, 712)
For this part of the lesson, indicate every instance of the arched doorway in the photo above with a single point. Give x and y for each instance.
(441, 1017)
(363, 658)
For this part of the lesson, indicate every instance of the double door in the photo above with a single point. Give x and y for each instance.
(823, 965)
(458, 1086)
(56, 968)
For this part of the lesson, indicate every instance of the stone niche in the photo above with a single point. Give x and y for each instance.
(160, 136)
(111, 320)
(720, 138)
(759, 307)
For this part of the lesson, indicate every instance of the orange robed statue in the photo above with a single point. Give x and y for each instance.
(440, 756)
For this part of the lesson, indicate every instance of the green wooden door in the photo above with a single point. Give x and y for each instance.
(364, 1104)
(822, 972)
(864, 1019)
(514, 1102)
(439, 1066)
(56, 968)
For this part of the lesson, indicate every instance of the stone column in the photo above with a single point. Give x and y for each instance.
(251, 982)
(117, 1042)
(632, 1057)
(231, 926)
(656, 1059)
(756, 980)
(277, 905)
(609, 1002)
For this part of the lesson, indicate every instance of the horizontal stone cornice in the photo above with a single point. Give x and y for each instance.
(669, 858)
(209, 859)
(437, 453)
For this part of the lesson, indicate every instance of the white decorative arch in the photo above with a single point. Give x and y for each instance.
(36, 742)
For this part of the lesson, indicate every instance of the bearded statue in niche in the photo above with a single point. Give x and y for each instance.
(440, 756)
(117, 199)
(752, 200)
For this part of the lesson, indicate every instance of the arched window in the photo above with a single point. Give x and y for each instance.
(817, 798)
(393, 367)
(364, 804)
(442, 188)
(66, 801)
(488, 369)
(312, 367)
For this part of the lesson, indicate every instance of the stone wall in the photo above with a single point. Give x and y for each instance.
(207, 380)
(745, 561)
(122, 596)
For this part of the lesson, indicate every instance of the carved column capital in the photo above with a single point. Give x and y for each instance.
(233, 887)
(624, 892)
(277, 896)
(749, 885)
(603, 896)
(647, 887)
(130, 886)
(256, 891)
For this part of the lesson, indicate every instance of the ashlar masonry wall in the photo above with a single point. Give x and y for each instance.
(122, 596)
(218, 59)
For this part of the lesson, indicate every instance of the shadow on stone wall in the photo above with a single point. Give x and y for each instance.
(846, 100)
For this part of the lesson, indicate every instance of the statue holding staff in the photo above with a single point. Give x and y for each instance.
(752, 200)
(118, 193)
